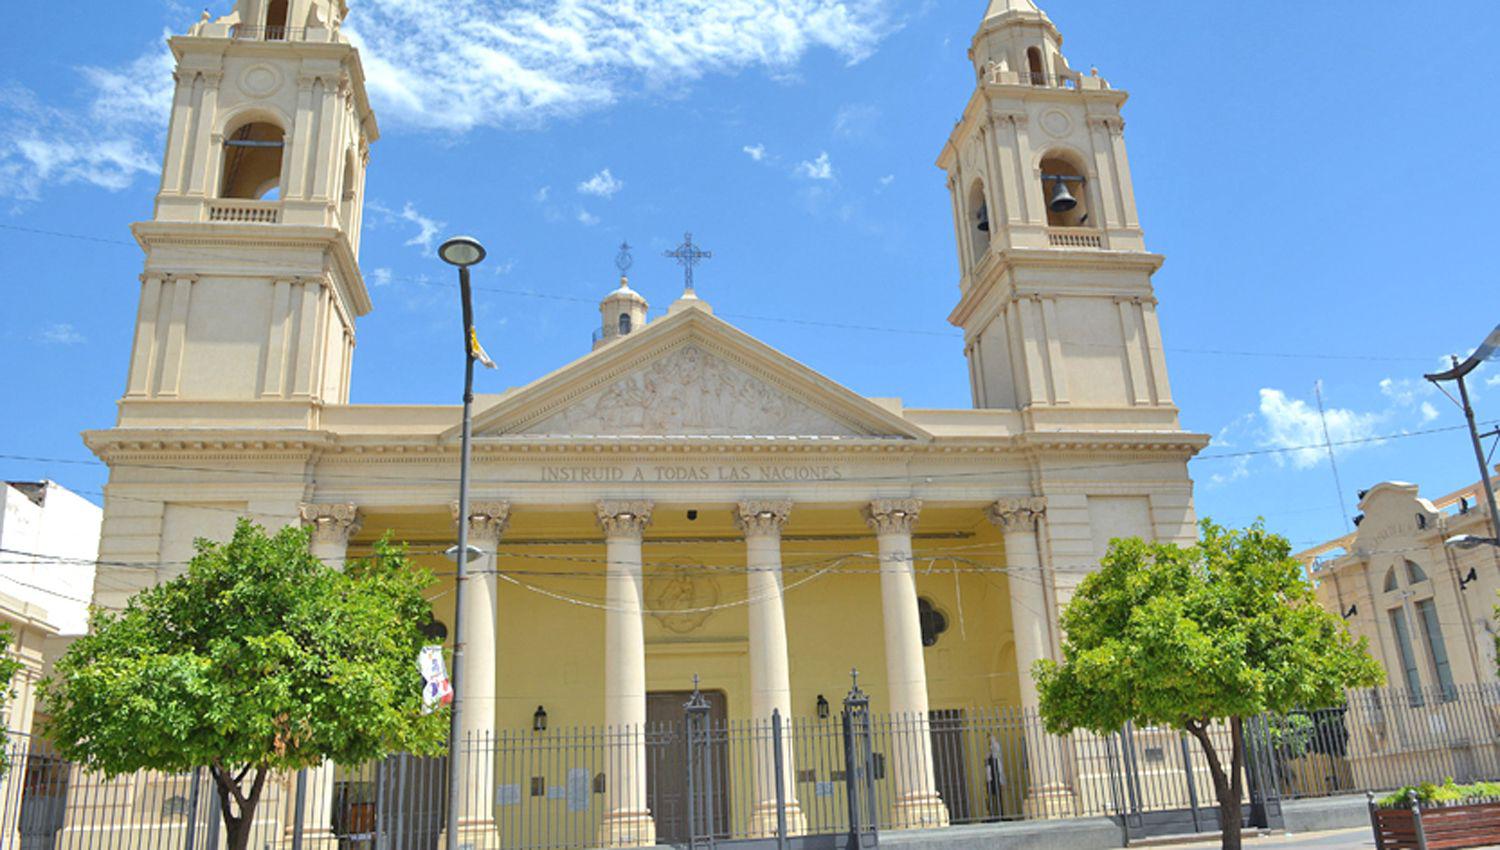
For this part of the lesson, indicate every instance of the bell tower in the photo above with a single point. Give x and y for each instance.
(252, 283)
(1056, 300)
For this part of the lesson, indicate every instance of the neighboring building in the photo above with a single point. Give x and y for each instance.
(49, 538)
(1427, 609)
(636, 506)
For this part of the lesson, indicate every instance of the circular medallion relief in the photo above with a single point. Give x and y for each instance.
(1057, 123)
(260, 80)
(680, 597)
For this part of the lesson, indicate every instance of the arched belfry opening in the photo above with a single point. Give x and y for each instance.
(276, 19)
(980, 225)
(349, 192)
(1034, 66)
(1065, 191)
(252, 162)
(625, 324)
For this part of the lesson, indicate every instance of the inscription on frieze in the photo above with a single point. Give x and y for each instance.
(651, 473)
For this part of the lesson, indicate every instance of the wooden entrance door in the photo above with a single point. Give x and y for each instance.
(950, 761)
(666, 762)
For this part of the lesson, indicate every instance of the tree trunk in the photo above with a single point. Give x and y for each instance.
(1227, 785)
(237, 827)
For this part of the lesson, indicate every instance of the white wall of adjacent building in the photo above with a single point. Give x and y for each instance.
(50, 538)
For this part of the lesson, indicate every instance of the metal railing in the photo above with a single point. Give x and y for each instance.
(246, 32)
(705, 779)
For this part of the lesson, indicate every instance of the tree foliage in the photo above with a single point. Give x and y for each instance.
(1223, 630)
(258, 659)
(9, 667)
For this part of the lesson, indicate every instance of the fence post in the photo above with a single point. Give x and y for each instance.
(780, 778)
(215, 817)
(299, 813)
(697, 710)
(859, 776)
(1192, 788)
(191, 833)
(1374, 820)
(1416, 819)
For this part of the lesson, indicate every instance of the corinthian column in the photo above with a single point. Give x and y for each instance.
(1047, 793)
(918, 804)
(476, 680)
(770, 680)
(331, 525)
(627, 821)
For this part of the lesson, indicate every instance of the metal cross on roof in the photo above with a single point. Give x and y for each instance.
(688, 255)
(624, 260)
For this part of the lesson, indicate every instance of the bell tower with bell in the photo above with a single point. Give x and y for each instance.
(1056, 300)
(252, 283)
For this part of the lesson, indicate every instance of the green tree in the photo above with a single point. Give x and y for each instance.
(258, 659)
(9, 667)
(1225, 629)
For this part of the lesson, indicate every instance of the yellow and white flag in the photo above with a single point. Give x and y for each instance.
(477, 351)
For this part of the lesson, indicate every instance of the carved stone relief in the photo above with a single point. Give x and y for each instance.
(690, 392)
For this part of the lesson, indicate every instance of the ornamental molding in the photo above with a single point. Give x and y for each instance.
(624, 519)
(1018, 515)
(487, 520)
(757, 518)
(332, 523)
(893, 516)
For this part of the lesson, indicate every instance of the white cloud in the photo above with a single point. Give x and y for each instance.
(427, 229)
(817, 169)
(455, 66)
(756, 152)
(1429, 412)
(1295, 425)
(542, 194)
(109, 142)
(887, 180)
(1494, 381)
(587, 219)
(380, 277)
(855, 120)
(601, 185)
(61, 334)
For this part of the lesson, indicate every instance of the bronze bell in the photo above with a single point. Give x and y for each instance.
(984, 218)
(1062, 199)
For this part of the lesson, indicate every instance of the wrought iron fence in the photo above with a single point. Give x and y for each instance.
(703, 780)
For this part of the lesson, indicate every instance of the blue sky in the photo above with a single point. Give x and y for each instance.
(1317, 184)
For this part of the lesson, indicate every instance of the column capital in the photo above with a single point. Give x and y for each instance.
(624, 519)
(487, 520)
(333, 523)
(762, 517)
(893, 516)
(1013, 515)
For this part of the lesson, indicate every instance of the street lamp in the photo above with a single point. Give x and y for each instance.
(461, 251)
(1487, 350)
(1470, 541)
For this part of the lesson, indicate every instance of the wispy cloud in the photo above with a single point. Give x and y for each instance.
(542, 194)
(427, 232)
(887, 180)
(60, 334)
(817, 169)
(496, 63)
(587, 219)
(1296, 426)
(380, 277)
(602, 185)
(109, 141)
(756, 152)
(856, 120)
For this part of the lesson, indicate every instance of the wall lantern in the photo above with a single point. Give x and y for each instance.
(539, 720)
(822, 707)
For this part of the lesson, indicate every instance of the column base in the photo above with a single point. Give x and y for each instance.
(474, 835)
(628, 829)
(1050, 802)
(920, 811)
(763, 819)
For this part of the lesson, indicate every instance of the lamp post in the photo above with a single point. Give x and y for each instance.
(463, 252)
(1486, 351)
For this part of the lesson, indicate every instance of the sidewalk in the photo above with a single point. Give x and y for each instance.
(1343, 839)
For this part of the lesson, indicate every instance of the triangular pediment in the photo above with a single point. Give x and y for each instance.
(689, 375)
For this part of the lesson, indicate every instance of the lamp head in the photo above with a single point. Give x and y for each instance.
(475, 553)
(462, 251)
(1469, 541)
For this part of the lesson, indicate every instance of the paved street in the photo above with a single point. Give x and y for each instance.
(1344, 839)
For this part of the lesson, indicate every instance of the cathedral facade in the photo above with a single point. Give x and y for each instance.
(683, 500)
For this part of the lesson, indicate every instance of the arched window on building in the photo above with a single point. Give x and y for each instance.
(1037, 71)
(276, 19)
(252, 162)
(1414, 573)
(1065, 191)
(1390, 580)
(624, 324)
(979, 221)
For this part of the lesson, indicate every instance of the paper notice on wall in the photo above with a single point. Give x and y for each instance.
(436, 690)
(579, 786)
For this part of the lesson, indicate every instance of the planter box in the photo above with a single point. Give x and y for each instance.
(1436, 827)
